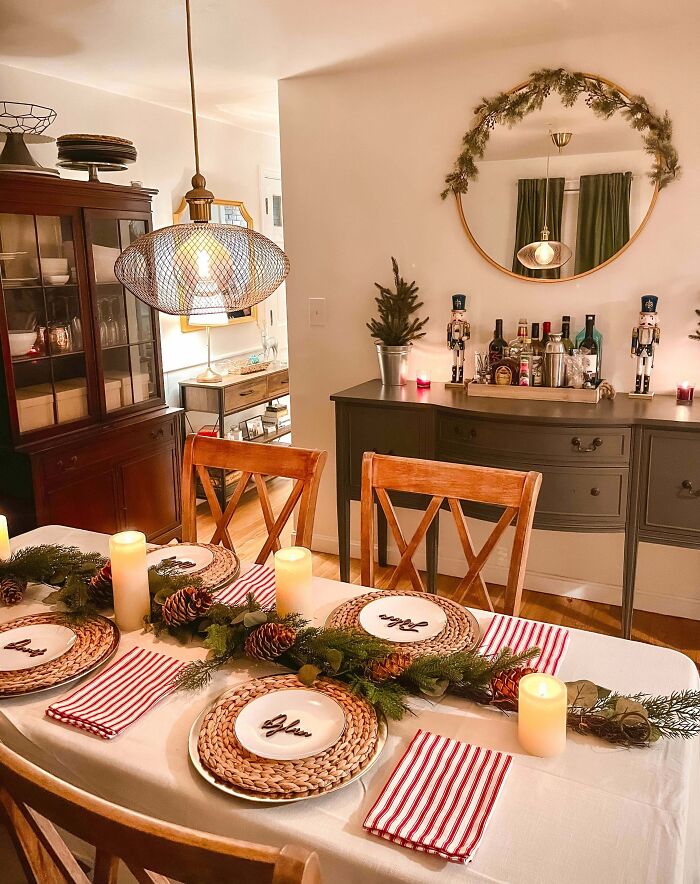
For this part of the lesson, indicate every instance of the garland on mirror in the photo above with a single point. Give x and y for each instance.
(384, 676)
(508, 108)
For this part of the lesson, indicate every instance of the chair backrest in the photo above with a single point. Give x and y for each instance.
(254, 460)
(449, 483)
(31, 800)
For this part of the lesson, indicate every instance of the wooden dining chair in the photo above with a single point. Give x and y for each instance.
(254, 460)
(32, 801)
(449, 483)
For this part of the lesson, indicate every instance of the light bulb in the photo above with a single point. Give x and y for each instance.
(203, 264)
(544, 254)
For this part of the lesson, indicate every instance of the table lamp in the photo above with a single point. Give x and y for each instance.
(209, 321)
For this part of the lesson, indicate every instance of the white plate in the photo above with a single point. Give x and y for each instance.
(290, 724)
(49, 638)
(403, 618)
(200, 556)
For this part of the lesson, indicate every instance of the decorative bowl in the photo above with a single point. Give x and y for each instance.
(56, 279)
(21, 342)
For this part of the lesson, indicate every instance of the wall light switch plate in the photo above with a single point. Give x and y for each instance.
(317, 311)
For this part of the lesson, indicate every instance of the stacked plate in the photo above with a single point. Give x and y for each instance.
(216, 566)
(104, 151)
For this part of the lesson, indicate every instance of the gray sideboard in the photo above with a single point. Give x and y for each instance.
(624, 465)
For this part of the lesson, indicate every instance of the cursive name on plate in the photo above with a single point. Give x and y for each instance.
(404, 624)
(174, 562)
(23, 645)
(278, 725)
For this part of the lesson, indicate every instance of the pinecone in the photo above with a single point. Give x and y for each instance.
(12, 590)
(505, 686)
(269, 641)
(100, 587)
(390, 667)
(185, 605)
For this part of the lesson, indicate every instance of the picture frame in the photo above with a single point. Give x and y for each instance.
(253, 428)
(222, 212)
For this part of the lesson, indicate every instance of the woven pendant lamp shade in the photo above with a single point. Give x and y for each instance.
(545, 254)
(194, 269)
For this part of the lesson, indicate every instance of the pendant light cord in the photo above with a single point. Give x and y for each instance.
(546, 192)
(192, 92)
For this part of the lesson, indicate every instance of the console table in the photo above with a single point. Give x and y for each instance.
(623, 465)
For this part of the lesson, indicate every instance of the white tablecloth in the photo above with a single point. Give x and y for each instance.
(597, 813)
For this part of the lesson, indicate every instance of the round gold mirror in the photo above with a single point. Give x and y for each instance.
(554, 180)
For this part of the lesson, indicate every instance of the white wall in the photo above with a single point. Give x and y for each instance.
(231, 158)
(364, 155)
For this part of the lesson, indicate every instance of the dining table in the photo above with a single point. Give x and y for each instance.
(597, 812)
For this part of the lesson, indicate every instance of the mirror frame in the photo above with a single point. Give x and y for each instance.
(460, 207)
(185, 324)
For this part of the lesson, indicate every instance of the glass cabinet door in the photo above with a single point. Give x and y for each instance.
(45, 320)
(126, 326)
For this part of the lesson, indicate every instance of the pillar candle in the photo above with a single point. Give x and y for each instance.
(542, 708)
(132, 600)
(5, 551)
(293, 578)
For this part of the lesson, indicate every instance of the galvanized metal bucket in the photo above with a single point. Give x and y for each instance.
(393, 364)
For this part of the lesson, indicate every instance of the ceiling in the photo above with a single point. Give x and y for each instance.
(243, 47)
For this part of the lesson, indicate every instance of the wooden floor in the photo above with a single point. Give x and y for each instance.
(247, 530)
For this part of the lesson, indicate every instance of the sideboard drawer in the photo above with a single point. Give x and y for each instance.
(386, 431)
(673, 486)
(587, 493)
(278, 383)
(457, 434)
(240, 395)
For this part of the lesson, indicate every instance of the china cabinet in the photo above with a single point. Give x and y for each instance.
(85, 436)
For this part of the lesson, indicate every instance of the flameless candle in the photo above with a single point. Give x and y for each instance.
(542, 708)
(5, 551)
(293, 578)
(132, 600)
(684, 393)
(423, 380)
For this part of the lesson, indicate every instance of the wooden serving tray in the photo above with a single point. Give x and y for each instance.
(552, 394)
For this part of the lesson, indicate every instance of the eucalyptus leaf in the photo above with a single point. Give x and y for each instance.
(625, 706)
(254, 618)
(581, 694)
(335, 658)
(603, 693)
(435, 687)
(239, 618)
(308, 674)
(654, 734)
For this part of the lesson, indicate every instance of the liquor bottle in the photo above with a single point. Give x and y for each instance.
(525, 364)
(597, 337)
(498, 345)
(537, 357)
(546, 332)
(589, 347)
(565, 334)
(516, 345)
(505, 372)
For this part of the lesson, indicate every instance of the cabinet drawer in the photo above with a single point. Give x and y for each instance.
(568, 493)
(572, 444)
(673, 459)
(278, 383)
(240, 395)
(59, 464)
(386, 431)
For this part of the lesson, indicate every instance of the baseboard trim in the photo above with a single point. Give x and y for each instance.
(605, 593)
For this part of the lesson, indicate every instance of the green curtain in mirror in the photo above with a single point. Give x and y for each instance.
(528, 221)
(603, 218)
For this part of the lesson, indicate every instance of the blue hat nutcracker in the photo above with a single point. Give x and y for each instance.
(459, 302)
(649, 303)
(645, 338)
(458, 333)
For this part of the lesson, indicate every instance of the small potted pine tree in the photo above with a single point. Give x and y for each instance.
(396, 327)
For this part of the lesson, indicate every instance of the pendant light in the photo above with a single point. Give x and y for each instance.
(546, 253)
(201, 268)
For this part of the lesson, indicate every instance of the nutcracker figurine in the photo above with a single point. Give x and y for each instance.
(645, 337)
(458, 332)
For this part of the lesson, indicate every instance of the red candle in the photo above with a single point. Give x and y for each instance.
(423, 380)
(684, 393)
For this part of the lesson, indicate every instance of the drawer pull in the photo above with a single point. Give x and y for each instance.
(247, 393)
(71, 465)
(156, 433)
(595, 492)
(576, 442)
(687, 485)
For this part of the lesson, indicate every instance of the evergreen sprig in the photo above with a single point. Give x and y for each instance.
(696, 336)
(509, 108)
(51, 564)
(396, 325)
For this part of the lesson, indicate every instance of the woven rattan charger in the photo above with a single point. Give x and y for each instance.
(461, 632)
(218, 755)
(96, 640)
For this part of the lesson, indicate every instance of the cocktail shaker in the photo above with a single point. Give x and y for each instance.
(554, 361)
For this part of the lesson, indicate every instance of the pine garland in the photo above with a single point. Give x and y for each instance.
(508, 108)
(696, 336)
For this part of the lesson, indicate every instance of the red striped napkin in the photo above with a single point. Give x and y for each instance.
(440, 797)
(519, 635)
(259, 580)
(120, 695)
